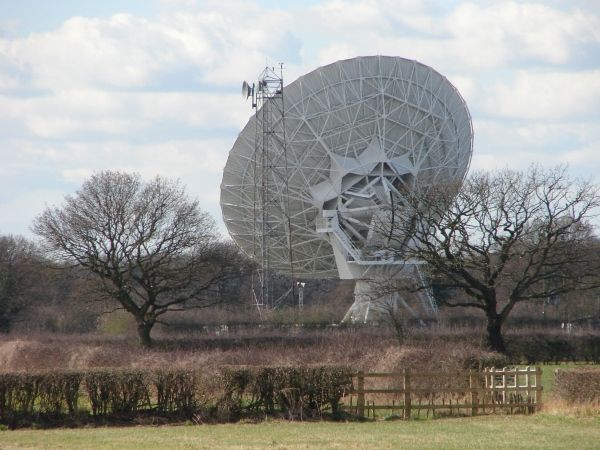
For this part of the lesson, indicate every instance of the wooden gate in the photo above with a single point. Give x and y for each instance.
(512, 390)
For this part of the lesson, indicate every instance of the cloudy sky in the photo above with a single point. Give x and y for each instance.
(153, 86)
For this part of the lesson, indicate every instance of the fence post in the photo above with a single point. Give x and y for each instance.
(474, 386)
(538, 389)
(360, 401)
(407, 405)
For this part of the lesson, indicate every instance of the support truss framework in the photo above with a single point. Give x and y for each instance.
(358, 133)
(271, 221)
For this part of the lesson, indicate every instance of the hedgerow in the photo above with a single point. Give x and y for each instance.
(123, 395)
(578, 385)
(46, 395)
(118, 392)
(535, 348)
(294, 392)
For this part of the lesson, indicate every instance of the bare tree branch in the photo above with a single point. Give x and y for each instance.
(502, 238)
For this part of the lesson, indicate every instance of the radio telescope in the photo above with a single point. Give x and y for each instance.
(345, 140)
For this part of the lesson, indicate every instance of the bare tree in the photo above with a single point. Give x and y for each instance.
(501, 238)
(151, 247)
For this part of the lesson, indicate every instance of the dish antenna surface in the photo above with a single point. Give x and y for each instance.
(358, 133)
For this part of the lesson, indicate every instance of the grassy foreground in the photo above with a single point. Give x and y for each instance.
(542, 431)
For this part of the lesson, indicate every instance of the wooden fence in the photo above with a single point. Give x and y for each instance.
(512, 390)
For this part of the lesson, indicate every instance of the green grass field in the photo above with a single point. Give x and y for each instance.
(540, 431)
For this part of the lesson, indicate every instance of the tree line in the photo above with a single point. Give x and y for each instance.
(491, 243)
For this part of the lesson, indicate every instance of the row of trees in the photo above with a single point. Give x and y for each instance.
(497, 240)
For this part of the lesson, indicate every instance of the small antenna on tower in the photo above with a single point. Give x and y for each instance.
(248, 91)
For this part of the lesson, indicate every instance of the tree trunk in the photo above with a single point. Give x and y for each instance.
(144, 329)
(495, 341)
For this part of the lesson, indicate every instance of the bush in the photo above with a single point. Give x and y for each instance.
(578, 385)
(17, 395)
(176, 391)
(51, 394)
(117, 392)
(295, 392)
(59, 392)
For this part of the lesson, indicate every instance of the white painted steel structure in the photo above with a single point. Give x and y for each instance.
(359, 133)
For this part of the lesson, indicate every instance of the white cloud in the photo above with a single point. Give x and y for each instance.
(197, 162)
(513, 145)
(545, 141)
(513, 31)
(160, 94)
(91, 52)
(222, 43)
(475, 36)
(509, 159)
(67, 113)
(554, 95)
(131, 52)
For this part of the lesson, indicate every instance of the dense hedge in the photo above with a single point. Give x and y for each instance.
(294, 391)
(535, 348)
(530, 346)
(42, 395)
(578, 385)
(232, 393)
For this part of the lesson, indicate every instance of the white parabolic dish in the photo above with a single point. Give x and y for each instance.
(356, 130)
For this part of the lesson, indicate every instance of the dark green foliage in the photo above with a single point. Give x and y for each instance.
(553, 348)
(578, 385)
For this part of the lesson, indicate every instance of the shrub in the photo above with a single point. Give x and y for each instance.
(24, 395)
(236, 384)
(117, 392)
(17, 395)
(292, 391)
(176, 391)
(578, 385)
(534, 348)
(59, 392)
